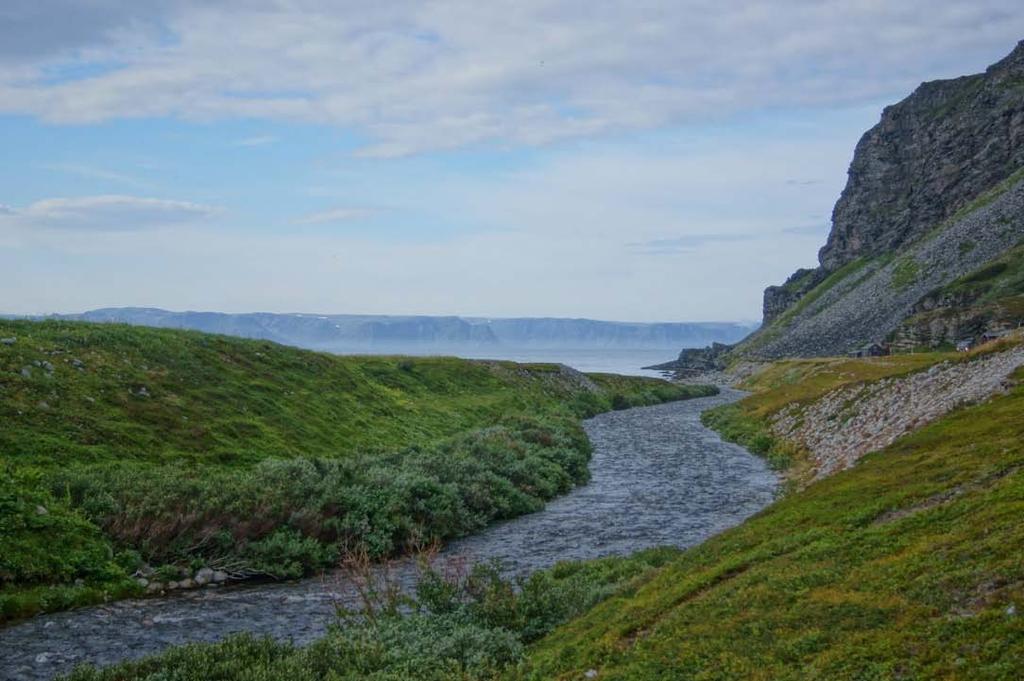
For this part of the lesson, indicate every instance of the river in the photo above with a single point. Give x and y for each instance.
(658, 477)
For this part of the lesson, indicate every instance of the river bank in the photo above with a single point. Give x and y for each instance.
(657, 477)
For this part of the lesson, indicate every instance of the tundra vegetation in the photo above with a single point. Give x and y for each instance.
(126, 447)
(905, 566)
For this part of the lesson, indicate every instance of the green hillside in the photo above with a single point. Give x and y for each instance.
(124, 445)
(907, 566)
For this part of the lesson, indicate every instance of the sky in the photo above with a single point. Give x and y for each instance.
(638, 160)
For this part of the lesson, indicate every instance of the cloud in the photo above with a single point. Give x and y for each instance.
(682, 244)
(334, 215)
(412, 76)
(106, 214)
(260, 141)
(94, 173)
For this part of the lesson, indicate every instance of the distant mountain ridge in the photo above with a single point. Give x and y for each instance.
(386, 333)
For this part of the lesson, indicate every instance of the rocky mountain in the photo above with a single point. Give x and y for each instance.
(925, 241)
(417, 334)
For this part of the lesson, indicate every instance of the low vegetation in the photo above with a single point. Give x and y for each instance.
(458, 626)
(905, 273)
(127, 446)
(906, 566)
(1000, 279)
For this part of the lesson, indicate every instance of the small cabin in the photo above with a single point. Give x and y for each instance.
(964, 345)
(994, 335)
(871, 350)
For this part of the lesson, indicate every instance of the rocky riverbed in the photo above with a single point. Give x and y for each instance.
(658, 477)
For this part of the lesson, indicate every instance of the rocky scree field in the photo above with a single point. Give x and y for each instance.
(136, 459)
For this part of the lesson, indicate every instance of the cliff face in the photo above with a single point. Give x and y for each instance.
(934, 193)
(931, 154)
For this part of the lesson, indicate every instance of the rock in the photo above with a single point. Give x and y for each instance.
(1011, 610)
(141, 391)
(142, 581)
(204, 576)
(154, 587)
(187, 583)
(26, 372)
(79, 582)
(43, 404)
(171, 586)
(77, 363)
(41, 510)
(932, 195)
(845, 424)
(219, 576)
(146, 570)
(590, 674)
(8, 341)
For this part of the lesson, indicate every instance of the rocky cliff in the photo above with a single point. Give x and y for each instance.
(934, 197)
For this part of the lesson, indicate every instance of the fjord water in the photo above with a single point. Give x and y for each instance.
(625, 361)
(658, 478)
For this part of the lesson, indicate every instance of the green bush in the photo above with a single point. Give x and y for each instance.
(458, 626)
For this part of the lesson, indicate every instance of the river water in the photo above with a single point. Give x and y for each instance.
(658, 478)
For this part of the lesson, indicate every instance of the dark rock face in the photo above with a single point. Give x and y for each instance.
(929, 156)
(696, 361)
(867, 304)
(778, 299)
(935, 191)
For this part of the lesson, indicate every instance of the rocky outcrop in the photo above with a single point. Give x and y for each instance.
(778, 299)
(930, 155)
(934, 191)
(869, 299)
(693, 362)
(849, 422)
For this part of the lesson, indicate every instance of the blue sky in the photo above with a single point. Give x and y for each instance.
(654, 161)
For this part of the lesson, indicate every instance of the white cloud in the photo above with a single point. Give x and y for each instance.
(94, 173)
(550, 238)
(105, 214)
(334, 215)
(260, 141)
(417, 75)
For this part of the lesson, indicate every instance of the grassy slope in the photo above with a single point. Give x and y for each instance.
(143, 431)
(908, 566)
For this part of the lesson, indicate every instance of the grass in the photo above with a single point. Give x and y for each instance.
(907, 566)
(905, 273)
(456, 627)
(122, 445)
(996, 280)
